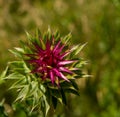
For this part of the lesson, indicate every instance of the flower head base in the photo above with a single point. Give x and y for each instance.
(50, 63)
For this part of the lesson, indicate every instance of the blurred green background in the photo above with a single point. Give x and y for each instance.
(94, 21)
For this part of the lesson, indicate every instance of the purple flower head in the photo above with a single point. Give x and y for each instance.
(50, 62)
(46, 70)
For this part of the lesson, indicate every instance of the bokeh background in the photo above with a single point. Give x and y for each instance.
(94, 21)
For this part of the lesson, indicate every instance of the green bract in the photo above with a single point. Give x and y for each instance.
(46, 87)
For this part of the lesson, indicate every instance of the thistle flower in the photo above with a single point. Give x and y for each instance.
(50, 58)
(51, 63)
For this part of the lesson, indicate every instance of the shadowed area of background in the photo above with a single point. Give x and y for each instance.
(94, 21)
